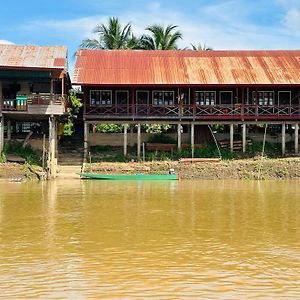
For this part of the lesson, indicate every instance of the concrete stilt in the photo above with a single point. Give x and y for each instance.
(85, 141)
(193, 139)
(244, 137)
(139, 141)
(179, 137)
(231, 137)
(9, 130)
(125, 140)
(1, 133)
(296, 139)
(283, 139)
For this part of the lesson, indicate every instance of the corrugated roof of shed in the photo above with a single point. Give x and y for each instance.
(33, 57)
(142, 67)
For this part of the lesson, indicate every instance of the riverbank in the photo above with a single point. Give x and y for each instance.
(19, 172)
(245, 169)
(252, 169)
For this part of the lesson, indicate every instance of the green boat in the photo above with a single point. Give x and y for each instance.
(130, 177)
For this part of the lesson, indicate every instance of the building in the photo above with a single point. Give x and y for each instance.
(190, 88)
(33, 85)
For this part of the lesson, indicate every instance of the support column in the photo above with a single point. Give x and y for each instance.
(1, 133)
(283, 139)
(193, 139)
(139, 141)
(179, 137)
(231, 137)
(85, 141)
(296, 139)
(125, 140)
(52, 148)
(8, 130)
(244, 126)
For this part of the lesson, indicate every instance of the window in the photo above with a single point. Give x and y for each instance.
(163, 98)
(205, 98)
(100, 97)
(264, 97)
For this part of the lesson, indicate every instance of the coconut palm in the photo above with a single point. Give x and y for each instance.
(112, 36)
(161, 38)
(201, 47)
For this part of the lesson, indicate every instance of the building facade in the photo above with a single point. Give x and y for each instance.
(190, 88)
(33, 85)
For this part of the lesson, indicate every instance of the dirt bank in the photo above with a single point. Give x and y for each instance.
(286, 168)
(18, 172)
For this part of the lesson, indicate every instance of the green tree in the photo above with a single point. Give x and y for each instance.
(74, 107)
(161, 38)
(112, 36)
(201, 47)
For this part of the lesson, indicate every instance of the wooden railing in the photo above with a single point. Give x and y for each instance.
(195, 111)
(21, 102)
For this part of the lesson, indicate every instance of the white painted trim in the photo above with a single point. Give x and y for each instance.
(101, 97)
(231, 92)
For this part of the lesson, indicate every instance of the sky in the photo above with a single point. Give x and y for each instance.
(227, 24)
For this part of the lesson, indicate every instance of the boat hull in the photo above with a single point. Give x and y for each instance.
(129, 177)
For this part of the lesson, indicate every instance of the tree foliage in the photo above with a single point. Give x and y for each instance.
(75, 105)
(111, 36)
(161, 38)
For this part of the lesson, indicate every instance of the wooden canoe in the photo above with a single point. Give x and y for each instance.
(129, 177)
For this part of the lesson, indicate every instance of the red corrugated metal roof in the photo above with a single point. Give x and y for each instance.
(139, 67)
(35, 57)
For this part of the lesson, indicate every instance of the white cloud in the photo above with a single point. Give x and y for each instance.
(6, 42)
(292, 20)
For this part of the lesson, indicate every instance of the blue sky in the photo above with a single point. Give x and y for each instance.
(227, 24)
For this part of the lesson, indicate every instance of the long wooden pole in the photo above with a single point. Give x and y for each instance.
(125, 140)
(297, 139)
(139, 141)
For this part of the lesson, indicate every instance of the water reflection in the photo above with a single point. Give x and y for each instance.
(188, 239)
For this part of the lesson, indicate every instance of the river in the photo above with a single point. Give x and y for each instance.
(157, 240)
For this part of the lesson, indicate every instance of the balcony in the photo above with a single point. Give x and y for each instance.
(217, 112)
(35, 104)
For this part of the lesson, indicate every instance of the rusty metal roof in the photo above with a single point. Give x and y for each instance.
(140, 67)
(33, 57)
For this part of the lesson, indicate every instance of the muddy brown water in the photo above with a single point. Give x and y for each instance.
(158, 240)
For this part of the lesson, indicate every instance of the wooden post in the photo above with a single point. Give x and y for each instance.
(231, 137)
(283, 139)
(244, 137)
(1, 133)
(1, 100)
(52, 148)
(193, 139)
(297, 139)
(139, 142)
(85, 140)
(51, 90)
(8, 130)
(125, 140)
(179, 137)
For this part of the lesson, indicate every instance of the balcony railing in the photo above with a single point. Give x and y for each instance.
(195, 112)
(21, 102)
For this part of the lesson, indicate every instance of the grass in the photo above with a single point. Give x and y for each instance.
(31, 156)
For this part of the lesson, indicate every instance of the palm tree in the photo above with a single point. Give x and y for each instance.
(201, 47)
(161, 38)
(112, 36)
